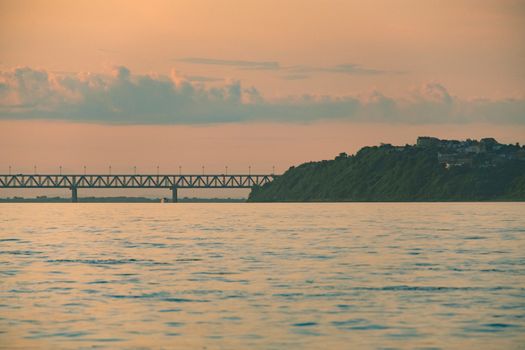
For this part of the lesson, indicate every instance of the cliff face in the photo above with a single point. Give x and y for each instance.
(388, 173)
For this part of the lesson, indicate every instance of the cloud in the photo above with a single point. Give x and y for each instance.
(296, 72)
(353, 69)
(295, 77)
(127, 98)
(202, 79)
(254, 65)
(349, 68)
(121, 73)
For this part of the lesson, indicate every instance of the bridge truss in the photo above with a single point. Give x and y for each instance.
(172, 182)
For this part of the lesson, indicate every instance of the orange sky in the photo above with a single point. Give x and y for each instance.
(475, 48)
(267, 82)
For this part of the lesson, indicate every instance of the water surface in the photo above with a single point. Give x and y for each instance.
(262, 276)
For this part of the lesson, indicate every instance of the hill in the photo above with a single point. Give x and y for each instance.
(431, 170)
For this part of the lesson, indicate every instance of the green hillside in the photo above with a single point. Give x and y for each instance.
(409, 173)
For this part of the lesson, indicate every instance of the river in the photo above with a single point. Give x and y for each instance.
(262, 276)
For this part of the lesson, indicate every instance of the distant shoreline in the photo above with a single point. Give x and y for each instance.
(228, 200)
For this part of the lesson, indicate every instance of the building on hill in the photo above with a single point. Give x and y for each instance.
(473, 148)
(454, 160)
(489, 144)
(427, 141)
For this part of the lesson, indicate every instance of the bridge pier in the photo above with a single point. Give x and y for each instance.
(74, 195)
(174, 198)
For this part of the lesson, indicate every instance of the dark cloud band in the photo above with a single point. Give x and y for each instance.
(122, 97)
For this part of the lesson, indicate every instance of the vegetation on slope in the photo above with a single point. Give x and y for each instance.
(386, 173)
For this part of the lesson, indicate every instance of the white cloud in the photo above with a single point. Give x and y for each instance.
(122, 97)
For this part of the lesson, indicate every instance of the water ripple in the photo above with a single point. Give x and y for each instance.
(263, 276)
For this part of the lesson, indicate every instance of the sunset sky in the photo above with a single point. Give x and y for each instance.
(260, 83)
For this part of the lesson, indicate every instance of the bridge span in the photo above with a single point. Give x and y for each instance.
(173, 182)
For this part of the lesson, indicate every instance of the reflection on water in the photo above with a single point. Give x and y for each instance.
(262, 276)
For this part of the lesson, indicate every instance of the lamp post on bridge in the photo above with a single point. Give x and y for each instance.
(226, 172)
(203, 170)
(249, 169)
(84, 170)
(10, 170)
(273, 169)
(34, 168)
(60, 170)
(180, 170)
(157, 170)
(134, 170)
(110, 170)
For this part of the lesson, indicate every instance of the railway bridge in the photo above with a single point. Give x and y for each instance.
(172, 182)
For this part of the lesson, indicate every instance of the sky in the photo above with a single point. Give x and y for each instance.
(251, 83)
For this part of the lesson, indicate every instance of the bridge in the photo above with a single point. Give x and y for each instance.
(173, 182)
